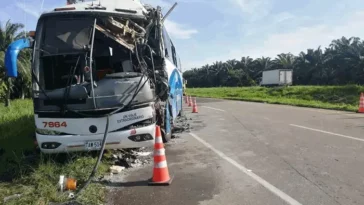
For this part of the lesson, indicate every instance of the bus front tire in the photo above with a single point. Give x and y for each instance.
(166, 137)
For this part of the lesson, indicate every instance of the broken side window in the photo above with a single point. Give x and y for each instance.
(174, 55)
(167, 44)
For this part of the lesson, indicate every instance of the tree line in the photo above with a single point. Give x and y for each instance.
(340, 63)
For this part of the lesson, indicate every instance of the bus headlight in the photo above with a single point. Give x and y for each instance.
(47, 132)
(141, 137)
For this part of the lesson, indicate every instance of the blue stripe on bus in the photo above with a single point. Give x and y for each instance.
(176, 85)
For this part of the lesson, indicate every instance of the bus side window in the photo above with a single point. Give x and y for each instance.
(174, 55)
(166, 52)
(167, 45)
(179, 63)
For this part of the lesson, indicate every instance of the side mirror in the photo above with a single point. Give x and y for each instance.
(31, 34)
(11, 55)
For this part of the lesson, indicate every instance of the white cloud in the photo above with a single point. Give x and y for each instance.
(285, 21)
(282, 17)
(165, 5)
(224, 56)
(4, 16)
(310, 37)
(35, 8)
(274, 22)
(250, 6)
(249, 9)
(300, 39)
(253, 9)
(28, 8)
(179, 31)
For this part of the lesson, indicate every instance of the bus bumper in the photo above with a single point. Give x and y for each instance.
(134, 138)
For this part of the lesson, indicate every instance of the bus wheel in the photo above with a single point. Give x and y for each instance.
(180, 114)
(165, 137)
(167, 125)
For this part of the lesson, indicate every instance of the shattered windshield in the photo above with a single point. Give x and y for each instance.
(67, 42)
(66, 35)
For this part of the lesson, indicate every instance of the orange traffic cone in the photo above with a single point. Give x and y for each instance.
(190, 102)
(361, 103)
(194, 108)
(160, 170)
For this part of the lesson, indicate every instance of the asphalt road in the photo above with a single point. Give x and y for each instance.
(255, 153)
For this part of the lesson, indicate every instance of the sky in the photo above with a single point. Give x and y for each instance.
(205, 31)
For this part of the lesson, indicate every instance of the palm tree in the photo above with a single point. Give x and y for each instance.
(8, 33)
(24, 81)
(285, 60)
(260, 65)
(341, 63)
(2, 75)
(349, 55)
(246, 63)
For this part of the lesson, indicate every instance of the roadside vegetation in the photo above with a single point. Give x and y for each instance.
(327, 97)
(21, 86)
(322, 78)
(341, 63)
(33, 175)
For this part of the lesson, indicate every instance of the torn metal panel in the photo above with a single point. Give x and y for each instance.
(123, 26)
(116, 38)
(125, 32)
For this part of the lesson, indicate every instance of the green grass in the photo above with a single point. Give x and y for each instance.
(39, 184)
(33, 175)
(326, 97)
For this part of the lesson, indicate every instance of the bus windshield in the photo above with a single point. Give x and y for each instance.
(66, 35)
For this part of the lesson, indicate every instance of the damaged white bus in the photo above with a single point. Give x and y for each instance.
(105, 73)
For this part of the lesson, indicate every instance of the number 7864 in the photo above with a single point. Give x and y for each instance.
(55, 124)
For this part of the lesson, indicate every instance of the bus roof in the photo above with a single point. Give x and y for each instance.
(129, 7)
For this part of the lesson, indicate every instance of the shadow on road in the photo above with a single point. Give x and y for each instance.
(126, 184)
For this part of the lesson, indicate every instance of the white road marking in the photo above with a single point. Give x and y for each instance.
(212, 108)
(325, 111)
(248, 172)
(266, 118)
(331, 133)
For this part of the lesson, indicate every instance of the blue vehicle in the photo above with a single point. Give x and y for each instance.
(104, 75)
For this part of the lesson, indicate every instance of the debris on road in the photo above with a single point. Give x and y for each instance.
(144, 153)
(8, 198)
(116, 169)
(71, 195)
(131, 159)
(65, 183)
(181, 125)
(128, 158)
